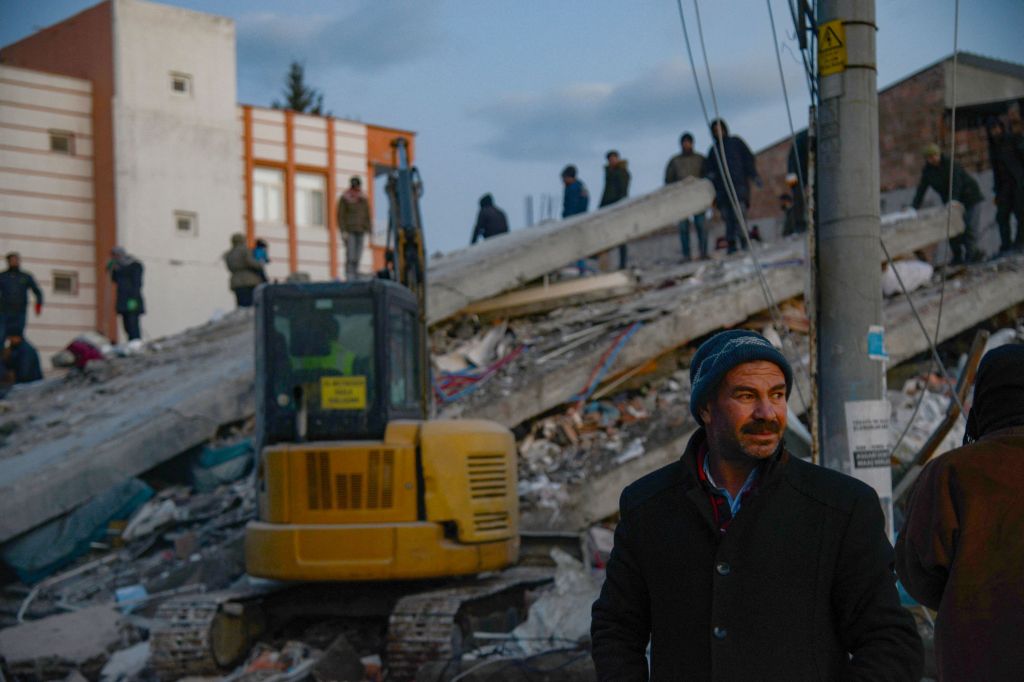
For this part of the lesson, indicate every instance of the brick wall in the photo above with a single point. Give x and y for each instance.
(910, 114)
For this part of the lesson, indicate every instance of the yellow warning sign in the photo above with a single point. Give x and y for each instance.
(343, 393)
(831, 48)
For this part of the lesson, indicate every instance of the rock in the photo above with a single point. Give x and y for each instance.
(340, 663)
(53, 647)
(126, 664)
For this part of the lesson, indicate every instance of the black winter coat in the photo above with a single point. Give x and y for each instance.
(490, 222)
(965, 188)
(128, 278)
(1007, 157)
(742, 169)
(801, 586)
(616, 184)
(14, 288)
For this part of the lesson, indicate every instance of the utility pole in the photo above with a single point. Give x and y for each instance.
(854, 416)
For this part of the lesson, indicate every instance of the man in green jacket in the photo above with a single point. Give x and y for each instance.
(935, 175)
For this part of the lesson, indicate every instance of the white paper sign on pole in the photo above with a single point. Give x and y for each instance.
(867, 435)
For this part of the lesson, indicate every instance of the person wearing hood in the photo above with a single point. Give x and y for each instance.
(15, 284)
(740, 561)
(126, 273)
(936, 175)
(1006, 153)
(961, 550)
(21, 361)
(490, 221)
(736, 162)
(354, 223)
(246, 272)
(616, 188)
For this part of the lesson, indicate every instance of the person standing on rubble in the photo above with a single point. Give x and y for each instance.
(1006, 153)
(961, 550)
(740, 166)
(490, 220)
(740, 561)
(126, 273)
(575, 200)
(354, 223)
(15, 284)
(616, 188)
(688, 164)
(935, 174)
(246, 272)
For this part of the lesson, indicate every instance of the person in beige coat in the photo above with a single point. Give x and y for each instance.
(354, 223)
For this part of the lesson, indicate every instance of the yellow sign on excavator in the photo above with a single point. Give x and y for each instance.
(343, 393)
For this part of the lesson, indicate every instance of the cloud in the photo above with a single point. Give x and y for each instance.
(587, 118)
(371, 38)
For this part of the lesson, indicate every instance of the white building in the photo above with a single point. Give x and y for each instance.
(147, 93)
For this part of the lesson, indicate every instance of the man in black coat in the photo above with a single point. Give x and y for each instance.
(1006, 153)
(742, 562)
(15, 284)
(935, 175)
(739, 166)
(126, 273)
(490, 221)
(616, 188)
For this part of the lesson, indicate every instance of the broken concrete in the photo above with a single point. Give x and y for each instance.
(722, 295)
(52, 647)
(74, 437)
(514, 259)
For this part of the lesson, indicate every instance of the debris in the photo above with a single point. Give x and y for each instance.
(633, 450)
(340, 663)
(546, 297)
(52, 647)
(49, 548)
(220, 464)
(126, 664)
(913, 274)
(561, 616)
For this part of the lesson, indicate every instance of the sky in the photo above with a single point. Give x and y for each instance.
(502, 95)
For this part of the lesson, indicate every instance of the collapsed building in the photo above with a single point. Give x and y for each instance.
(135, 474)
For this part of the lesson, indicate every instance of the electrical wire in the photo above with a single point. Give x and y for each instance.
(719, 151)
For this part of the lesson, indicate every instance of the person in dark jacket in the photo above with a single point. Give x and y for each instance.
(21, 361)
(935, 175)
(354, 223)
(246, 272)
(15, 284)
(741, 168)
(126, 273)
(742, 562)
(961, 550)
(688, 164)
(490, 221)
(1006, 153)
(575, 200)
(616, 188)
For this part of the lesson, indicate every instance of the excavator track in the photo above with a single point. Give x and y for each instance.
(431, 626)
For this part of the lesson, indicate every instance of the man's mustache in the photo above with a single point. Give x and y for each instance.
(760, 428)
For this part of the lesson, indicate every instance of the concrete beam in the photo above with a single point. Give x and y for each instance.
(511, 260)
(697, 311)
(978, 297)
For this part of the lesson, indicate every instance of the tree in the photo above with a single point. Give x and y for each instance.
(298, 96)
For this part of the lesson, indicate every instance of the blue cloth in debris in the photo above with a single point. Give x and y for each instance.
(45, 550)
(216, 466)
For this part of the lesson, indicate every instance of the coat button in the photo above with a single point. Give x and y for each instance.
(720, 632)
(723, 568)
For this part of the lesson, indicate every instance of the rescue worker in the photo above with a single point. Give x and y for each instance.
(490, 220)
(354, 223)
(15, 284)
(935, 175)
(616, 188)
(126, 273)
(246, 272)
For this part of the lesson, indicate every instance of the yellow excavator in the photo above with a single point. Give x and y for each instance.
(357, 486)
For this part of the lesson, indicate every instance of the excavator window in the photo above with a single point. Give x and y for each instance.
(404, 384)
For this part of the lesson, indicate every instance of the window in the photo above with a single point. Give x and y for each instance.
(268, 187)
(181, 84)
(62, 142)
(65, 283)
(186, 224)
(404, 359)
(309, 199)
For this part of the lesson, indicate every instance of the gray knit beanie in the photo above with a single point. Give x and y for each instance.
(722, 352)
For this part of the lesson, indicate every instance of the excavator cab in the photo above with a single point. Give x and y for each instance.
(354, 482)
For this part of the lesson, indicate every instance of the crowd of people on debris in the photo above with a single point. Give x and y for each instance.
(731, 167)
